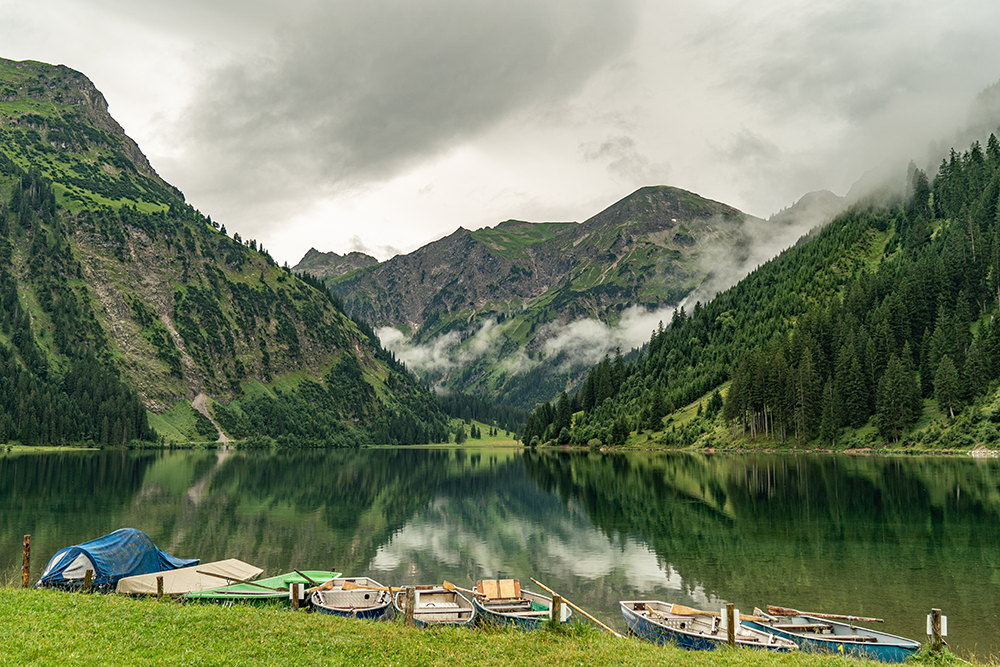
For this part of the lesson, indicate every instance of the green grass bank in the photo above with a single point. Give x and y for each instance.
(55, 628)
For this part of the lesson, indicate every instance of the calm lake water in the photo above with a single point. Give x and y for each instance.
(885, 537)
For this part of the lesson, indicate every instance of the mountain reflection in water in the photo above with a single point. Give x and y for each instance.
(886, 537)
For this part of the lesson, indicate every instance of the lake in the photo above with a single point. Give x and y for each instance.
(889, 537)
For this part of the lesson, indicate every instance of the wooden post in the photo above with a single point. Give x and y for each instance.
(159, 587)
(88, 579)
(295, 596)
(936, 643)
(411, 602)
(556, 609)
(26, 565)
(731, 624)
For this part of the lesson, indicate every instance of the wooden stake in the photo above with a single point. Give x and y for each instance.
(26, 566)
(411, 602)
(936, 643)
(295, 596)
(159, 587)
(556, 609)
(731, 624)
(88, 579)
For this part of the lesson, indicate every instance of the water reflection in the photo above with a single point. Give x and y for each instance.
(888, 537)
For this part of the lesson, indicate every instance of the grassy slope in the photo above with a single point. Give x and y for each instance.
(49, 628)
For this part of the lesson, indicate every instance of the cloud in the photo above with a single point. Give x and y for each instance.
(585, 342)
(339, 95)
(625, 162)
(445, 353)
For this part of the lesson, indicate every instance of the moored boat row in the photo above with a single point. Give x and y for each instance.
(128, 562)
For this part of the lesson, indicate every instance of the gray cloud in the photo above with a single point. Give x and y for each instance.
(624, 160)
(348, 93)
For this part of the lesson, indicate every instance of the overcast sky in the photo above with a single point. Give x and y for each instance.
(379, 125)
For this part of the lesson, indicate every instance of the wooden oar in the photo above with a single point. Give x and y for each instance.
(785, 611)
(231, 580)
(448, 586)
(322, 587)
(691, 611)
(305, 577)
(351, 586)
(552, 592)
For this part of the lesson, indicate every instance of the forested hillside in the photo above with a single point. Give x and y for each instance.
(127, 315)
(878, 329)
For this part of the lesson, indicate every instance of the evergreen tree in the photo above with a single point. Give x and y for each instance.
(946, 389)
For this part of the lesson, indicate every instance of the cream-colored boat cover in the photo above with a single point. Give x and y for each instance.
(188, 579)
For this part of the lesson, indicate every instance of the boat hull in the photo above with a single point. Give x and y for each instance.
(652, 621)
(885, 648)
(357, 603)
(488, 613)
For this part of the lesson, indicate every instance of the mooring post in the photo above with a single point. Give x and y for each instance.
(936, 643)
(411, 602)
(556, 614)
(731, 624)
(295, 596)
(26, 565)
(159, 587)
(88, 580)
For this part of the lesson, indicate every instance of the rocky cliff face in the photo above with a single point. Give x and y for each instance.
(330, 264)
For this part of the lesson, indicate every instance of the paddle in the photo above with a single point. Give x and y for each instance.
(552, 592)
(242, 581)
(682, 610)
(305, 577)
(785, 611)
(322, 587)
(448, 586)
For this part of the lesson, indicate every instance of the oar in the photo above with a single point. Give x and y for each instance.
(242, 581)
(682, 610)
(552, 592)
(351, 586)
(305, 577)
(322, 587)
(448, 586)
(785, 611)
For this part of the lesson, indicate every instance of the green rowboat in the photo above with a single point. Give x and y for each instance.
(264, 590)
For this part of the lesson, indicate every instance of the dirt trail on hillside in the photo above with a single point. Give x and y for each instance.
(200, 403)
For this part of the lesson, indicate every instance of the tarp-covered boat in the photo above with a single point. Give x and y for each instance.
(504, 603)
(665, 623)
(123, 553)
(264, 590)
(190, 579)
(820, 634)
(355, 597)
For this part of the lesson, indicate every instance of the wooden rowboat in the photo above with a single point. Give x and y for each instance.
(504, 603)
(817, 634)
(437, 606)
(661, 623)
(361, 598)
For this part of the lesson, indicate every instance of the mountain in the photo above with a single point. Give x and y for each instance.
(878, 329)
(520, 311)
(139, 318)
(330, 264)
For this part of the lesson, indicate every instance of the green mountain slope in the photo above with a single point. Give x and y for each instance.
(104, 268)
(484, 311)
(877, 329)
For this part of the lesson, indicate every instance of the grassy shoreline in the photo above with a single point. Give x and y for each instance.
(56, 628)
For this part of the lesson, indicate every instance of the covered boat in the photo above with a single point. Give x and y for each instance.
(123, 553)
(437, 605)
(817, 633)
(665, 623)
(264, 590)
(355, 597)
(190, 579)
(504, 603)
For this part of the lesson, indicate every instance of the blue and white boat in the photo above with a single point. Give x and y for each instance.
(819, 634)
(352, 597)
(664, 623)
(505, 604)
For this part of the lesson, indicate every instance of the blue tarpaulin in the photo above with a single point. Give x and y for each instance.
(123, 553)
